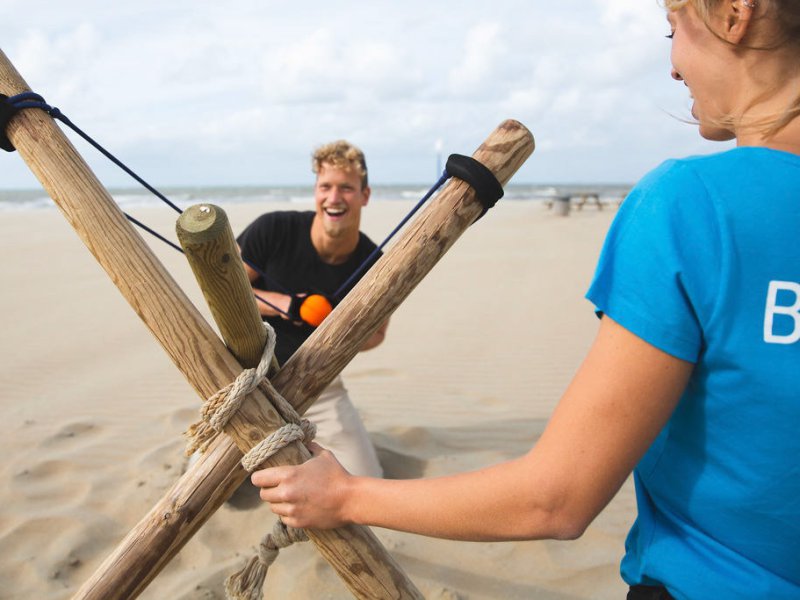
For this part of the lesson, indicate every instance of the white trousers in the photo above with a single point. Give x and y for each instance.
(340, 430)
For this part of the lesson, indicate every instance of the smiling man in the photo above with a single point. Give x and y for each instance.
(290, 255)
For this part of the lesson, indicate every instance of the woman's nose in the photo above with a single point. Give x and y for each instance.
(676, 76)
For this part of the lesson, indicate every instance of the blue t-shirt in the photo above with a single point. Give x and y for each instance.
(703, 262)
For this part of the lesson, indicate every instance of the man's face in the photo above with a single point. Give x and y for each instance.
(339, 197)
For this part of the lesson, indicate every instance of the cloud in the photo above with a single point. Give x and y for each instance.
(194, 90)
(483, 51)
(319, 69)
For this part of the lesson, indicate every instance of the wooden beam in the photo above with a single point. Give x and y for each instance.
(208, 364)
(207, 240)
(417, 250)
(362, 562)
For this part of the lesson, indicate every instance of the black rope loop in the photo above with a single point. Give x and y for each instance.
(10, 106)
(7, 110)
(487, 189)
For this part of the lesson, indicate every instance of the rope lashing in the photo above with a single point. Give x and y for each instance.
(216, 413)
(218, 410)
(248, 583)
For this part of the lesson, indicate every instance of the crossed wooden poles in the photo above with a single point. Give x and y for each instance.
(209, 365)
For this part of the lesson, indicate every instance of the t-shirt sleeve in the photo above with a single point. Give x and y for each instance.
(659, 265)
(253, 240)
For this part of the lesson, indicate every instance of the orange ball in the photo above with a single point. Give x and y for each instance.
(314, 309)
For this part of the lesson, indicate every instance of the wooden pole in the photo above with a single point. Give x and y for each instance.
(398, 272)
(417, 250)
(208, 241)
(210, 247)
(380, 291)
(362, 562)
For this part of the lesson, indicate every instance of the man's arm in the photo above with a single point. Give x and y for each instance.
(275, 299)
(376, 339)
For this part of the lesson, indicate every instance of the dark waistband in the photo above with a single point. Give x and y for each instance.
(648, 592)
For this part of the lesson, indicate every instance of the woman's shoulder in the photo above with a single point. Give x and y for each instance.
(727, 165)
(674, 178)
(696, 176)
(719, 178)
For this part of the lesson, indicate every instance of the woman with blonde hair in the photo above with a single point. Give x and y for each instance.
(693, 380)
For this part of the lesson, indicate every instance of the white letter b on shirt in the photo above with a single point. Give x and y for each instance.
(786, 311)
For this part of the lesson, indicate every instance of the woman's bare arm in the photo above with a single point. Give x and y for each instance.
(621, 397)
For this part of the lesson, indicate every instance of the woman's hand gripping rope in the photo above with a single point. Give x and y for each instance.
(291, 489)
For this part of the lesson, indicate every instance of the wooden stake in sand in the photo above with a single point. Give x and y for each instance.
(363, 564)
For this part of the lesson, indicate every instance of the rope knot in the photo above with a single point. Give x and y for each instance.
(218, 410)
(215, 415)
(279, 438)
(247, 583)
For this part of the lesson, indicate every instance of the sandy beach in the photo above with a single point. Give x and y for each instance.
(472, 366)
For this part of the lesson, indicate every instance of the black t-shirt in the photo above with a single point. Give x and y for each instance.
(279, 245)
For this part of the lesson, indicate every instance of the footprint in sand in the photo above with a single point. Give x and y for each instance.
(71, 433)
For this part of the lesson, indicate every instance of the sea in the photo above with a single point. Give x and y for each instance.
(183, 197)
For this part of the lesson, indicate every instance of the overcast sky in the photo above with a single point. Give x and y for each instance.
(192, 92)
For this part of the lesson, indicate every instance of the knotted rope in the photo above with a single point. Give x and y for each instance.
(216, 412)
(247, 584)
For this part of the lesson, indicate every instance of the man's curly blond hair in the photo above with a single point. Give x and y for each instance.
(341, 154)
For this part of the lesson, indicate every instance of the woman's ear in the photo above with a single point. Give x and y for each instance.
(737, 19)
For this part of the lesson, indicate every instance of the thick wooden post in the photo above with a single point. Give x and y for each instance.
(207, 240)
(359, 558)
(207, 364)
(398, 272)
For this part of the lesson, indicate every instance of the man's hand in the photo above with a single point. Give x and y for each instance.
(293, 313)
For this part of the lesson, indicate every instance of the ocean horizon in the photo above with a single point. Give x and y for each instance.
(183, 197)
